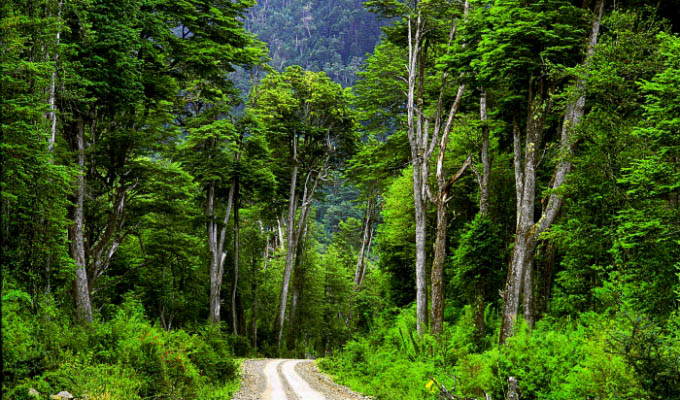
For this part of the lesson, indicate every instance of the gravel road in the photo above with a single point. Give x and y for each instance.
(280, 379)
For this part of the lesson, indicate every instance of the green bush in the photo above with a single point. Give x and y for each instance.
(126, 357)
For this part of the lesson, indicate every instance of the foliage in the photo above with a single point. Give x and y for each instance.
(126, 356)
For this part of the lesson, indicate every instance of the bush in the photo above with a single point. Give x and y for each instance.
(126, 357)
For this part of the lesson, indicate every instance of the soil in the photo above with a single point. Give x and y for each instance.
(277, 379)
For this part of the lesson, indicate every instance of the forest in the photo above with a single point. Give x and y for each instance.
(434, 199)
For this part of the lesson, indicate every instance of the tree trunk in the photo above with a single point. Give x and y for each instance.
(419, 158)
(234, 284)
(298, 281)
(371, 235)
(53, 83)
(528, 292)
(525, 185)
(217, 254)
(366, 235)
(438, 268)
(440, 240)
(298, 272)
(290, 255)
(520, 270)
(422, 147)
(421, 273)
(486, 164)
(479, 314)
(80, 284)
(215, 277)
(441, 201)
(280, 232)
(253, 312)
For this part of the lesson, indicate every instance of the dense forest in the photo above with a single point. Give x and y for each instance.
(332, 36)
(486, 206)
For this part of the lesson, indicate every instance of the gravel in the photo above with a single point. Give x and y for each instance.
(255, 385)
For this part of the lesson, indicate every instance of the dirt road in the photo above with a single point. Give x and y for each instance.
(279, 379)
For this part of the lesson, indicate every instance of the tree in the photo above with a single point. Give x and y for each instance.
(520, 273)
(425, 23)
(310, 116)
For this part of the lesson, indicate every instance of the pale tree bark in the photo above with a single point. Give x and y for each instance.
(298, 283)
(296, 231)
(301, 234)
(486, 163)
(441, 201)
(420, 155)
(280, 232)
(52, 116)
(366, 237)
(524, 237)
(422, 147)
(53, 84)
(367, 231)
(371, 235)
(520, 273)
(234, 283)
(216, 247)
(93, 256)
(290, 253)
(76, 231)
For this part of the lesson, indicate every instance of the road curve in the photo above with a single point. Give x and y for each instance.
(283, 379)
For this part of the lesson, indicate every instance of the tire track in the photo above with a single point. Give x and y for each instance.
(301, 388)
(274, 390)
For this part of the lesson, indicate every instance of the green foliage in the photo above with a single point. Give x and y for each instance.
(125, 357)
(328, 36)
(476, 264)
(396, 239)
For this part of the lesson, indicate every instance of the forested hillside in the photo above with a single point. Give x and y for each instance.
(487, 207)
(333, 36)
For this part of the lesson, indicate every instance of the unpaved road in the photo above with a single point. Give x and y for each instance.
(280, 379)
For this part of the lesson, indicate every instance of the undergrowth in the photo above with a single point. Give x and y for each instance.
(593, 357)
(125, 357)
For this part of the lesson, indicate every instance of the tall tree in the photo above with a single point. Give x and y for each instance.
(425, 24)
(124, 64)
(310, 116)
(520, 273)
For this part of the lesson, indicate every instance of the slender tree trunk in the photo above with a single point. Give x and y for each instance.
(298, 282)
(419, 156)
(528, 292)
(440, 242)
(53, 84)
(438, 268)
(422, 147)
(442, 198)
(280, 232)
(525, 187)
(371, 235)
(253, 310)
(486, 164)
(217, 254)
(234, 284)
(298, 273)
(520, 273)
(366, 235)
(421, 273)
(215, 278)
(290, 255)
(52, 115)
(81, 285)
